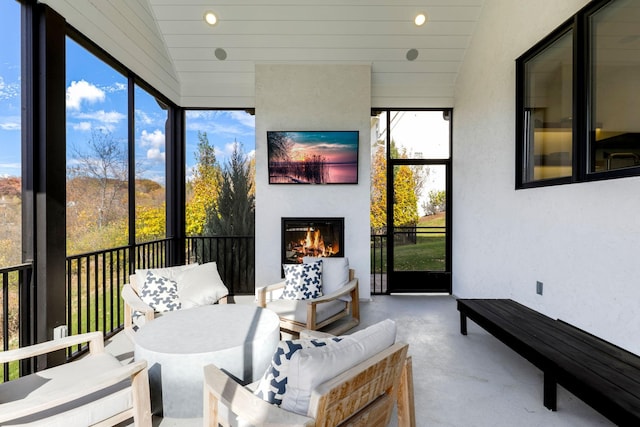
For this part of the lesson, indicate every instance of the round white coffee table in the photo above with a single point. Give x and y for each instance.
(240, 339)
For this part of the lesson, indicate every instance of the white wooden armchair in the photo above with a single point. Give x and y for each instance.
(196, 285)
(340, 302)
(364, 395)
(94, 390)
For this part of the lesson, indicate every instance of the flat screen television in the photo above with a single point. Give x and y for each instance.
(313, 157)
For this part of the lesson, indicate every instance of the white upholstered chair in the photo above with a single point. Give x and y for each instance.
(196, 285)
(364, 393)
(94, 390)
(340, 300)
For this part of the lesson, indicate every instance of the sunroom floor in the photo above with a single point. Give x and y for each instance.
(472, 380)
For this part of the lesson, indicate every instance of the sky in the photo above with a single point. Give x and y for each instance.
(96, 103)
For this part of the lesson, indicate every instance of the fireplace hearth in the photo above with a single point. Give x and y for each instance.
(318, 237)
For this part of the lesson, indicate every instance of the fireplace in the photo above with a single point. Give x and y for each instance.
(319, 237)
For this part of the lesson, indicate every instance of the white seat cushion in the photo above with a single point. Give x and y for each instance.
(297, 309)
(82, 412)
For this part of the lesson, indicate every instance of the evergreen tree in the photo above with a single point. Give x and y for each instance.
(234, 213)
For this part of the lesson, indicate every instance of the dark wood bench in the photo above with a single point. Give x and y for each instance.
(604, 376)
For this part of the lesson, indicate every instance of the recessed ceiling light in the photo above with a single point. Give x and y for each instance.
(210, 18)
(420, 19)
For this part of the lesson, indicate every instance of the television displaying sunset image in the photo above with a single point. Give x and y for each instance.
(313, 157)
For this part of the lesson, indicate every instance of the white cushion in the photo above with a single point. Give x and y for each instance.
(310, 367)
(272, 386)
(160, 293)
(335, 273)
(84, 411)
(168, 272)
(200, 285)
(303, 281)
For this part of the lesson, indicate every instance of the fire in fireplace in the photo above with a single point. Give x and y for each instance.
(318, 237)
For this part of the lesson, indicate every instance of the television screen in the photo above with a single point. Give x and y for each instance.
(313, 157)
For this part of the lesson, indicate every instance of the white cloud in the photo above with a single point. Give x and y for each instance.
(101, 116)
(156, 142)
(82, 91)
(82, 126)
(243, 118)
(9, 90)
(10, 123)
(116, 87)
(155, 154)
(143, 118)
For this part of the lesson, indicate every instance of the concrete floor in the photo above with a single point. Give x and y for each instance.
(472, 380)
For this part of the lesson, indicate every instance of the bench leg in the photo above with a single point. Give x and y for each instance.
(463, 323)
(550, 391)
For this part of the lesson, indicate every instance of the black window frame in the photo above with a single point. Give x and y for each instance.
(582, 103)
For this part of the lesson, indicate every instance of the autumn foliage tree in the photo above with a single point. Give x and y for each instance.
(202, 190)
(407, 187)
(378, 214)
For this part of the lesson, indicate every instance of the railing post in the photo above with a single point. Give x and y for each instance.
(27, 315)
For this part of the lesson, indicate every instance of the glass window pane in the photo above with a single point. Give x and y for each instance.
(10, 136)
(211, 138)
(548, 112)
(150, 124)
(419, 135)
(378, 215)
(419, 218)
(97, 167)
(615, 55)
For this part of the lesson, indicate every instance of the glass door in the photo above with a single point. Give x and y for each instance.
(418, 249)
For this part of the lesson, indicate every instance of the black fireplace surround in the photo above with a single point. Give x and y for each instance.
(318, 237)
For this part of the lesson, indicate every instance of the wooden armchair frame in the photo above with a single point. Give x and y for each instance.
(34, 403)
(363, 395)
(351, 308)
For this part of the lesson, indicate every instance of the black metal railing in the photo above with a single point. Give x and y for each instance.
(17, 322)
(95, 279)
(432, 256)
(234, 256)
(378, 264)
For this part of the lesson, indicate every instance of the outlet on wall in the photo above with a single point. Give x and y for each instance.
(539, 287)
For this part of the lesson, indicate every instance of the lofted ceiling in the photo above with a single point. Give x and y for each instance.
(168, 44)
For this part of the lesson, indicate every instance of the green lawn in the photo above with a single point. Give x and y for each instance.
(427, 253)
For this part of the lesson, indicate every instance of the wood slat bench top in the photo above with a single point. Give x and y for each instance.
(605, 376)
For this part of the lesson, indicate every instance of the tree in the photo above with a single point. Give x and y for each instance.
(104, 160)
(437, 202)
(405, 204)
(378, 214)
(234, 213)
(203, 189)
(279, 147)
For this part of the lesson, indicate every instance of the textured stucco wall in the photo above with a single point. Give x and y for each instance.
(581, 240)
(312, 97)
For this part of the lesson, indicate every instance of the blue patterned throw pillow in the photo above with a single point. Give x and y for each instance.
(160, 293)
(302, 281)
(273, 385)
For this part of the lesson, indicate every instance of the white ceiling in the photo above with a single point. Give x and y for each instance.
(168, 44)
